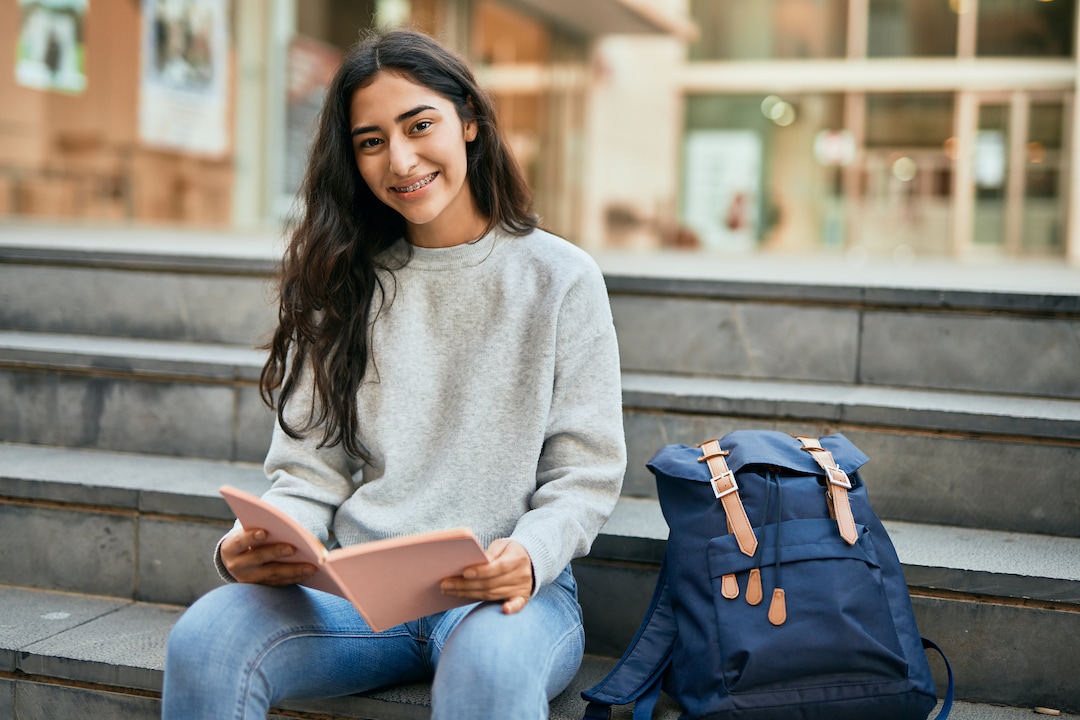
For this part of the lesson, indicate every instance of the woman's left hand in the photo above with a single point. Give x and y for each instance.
(507, 576)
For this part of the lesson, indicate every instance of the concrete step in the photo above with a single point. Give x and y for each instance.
(1002, 605)
(820, 325)
(1018, 343)
(70, 655)
(942, 457)
(171, 296)
(948, 458)
(161, 397)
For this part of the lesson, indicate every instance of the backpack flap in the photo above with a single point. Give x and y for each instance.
(777, 449)
(756, 447)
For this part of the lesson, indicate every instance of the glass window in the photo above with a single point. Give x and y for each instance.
(905, 205)
(769, 29)
(991, 174)
(911, 28)
(751, 178)
(908, 119)
(542, 124)
(1023, 28)
(1043, 221)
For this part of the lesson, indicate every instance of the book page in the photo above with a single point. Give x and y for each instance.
(397, 580)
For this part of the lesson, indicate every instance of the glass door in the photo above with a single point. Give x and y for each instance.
(1016, 169)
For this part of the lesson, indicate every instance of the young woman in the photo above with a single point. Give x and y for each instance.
(439, 362)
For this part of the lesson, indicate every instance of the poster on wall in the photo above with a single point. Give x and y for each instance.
(183, 98)
(50, 54)
(311, 67)
(722, 188)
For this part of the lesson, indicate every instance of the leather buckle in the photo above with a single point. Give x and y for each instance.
(716, 488)
(838, 477)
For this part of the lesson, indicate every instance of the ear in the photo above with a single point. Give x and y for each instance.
(471, 130)
(470, 126)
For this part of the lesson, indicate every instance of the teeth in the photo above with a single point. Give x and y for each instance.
(417, 185)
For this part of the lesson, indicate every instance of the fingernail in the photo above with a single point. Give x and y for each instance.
(446, 586)
(260, 534)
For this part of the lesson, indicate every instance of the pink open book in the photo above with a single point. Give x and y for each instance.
(388, 581)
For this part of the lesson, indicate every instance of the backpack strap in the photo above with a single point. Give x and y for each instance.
(836, 487)
(639, 673)
(946, 704)
(727, 492)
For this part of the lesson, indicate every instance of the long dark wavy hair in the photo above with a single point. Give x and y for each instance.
(329, 273)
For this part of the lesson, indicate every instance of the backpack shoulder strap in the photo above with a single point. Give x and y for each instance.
(638, 673)
(946, 705)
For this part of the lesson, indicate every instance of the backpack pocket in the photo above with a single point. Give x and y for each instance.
(839, 627)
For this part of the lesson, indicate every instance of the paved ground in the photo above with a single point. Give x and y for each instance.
(988, 273)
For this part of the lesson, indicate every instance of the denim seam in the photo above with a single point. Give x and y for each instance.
(289, 634)
(550, 660)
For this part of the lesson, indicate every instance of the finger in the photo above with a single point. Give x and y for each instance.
(506, 558)
(240, 541)
(514, 605)
(456, 587)
(277, 574)
(263, 554)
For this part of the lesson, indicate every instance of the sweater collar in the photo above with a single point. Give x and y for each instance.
(465, 255)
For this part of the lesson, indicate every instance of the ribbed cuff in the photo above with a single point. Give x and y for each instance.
(221, 569)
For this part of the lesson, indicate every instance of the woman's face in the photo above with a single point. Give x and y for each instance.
(409, 145)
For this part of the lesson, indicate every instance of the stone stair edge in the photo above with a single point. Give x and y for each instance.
(265, 264)
(144, 357)
(89, 650)
(121, 643)
(886, 297)
(149, 261)
(991, 562)
(935, 410)
(877, 405)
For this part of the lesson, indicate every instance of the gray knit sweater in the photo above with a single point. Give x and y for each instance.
(492, 401)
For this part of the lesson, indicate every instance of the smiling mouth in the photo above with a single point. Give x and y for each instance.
(416, 185)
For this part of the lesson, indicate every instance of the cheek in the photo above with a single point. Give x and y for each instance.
(368, 172)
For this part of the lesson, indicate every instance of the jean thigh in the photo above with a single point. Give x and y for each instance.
(248, 647)
(508, 665)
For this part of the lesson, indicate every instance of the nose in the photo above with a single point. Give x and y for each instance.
(402, 157)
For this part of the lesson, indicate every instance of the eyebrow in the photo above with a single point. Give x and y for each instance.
(400, 118)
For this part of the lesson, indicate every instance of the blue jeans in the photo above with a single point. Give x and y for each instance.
(243, 648)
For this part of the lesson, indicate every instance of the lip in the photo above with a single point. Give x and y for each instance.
(412, 187)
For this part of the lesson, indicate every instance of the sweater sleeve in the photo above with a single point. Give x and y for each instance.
(308, 482)
(583, 459)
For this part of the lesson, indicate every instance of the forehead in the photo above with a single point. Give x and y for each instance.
(388, 95)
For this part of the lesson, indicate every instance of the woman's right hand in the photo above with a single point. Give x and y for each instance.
(250, 561)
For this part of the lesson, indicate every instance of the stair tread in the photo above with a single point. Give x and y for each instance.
(962, 559)
(1030, 285)
(121, 644)
(929, 409)
(858, 404)
(151, 483)
(118, 643)
(92, 352)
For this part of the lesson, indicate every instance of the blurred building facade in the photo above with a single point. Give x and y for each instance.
(891, 128)
(884, 127)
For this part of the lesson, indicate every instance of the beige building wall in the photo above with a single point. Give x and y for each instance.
(634, 123)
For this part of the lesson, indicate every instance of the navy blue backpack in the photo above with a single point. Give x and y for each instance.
(780, 596)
